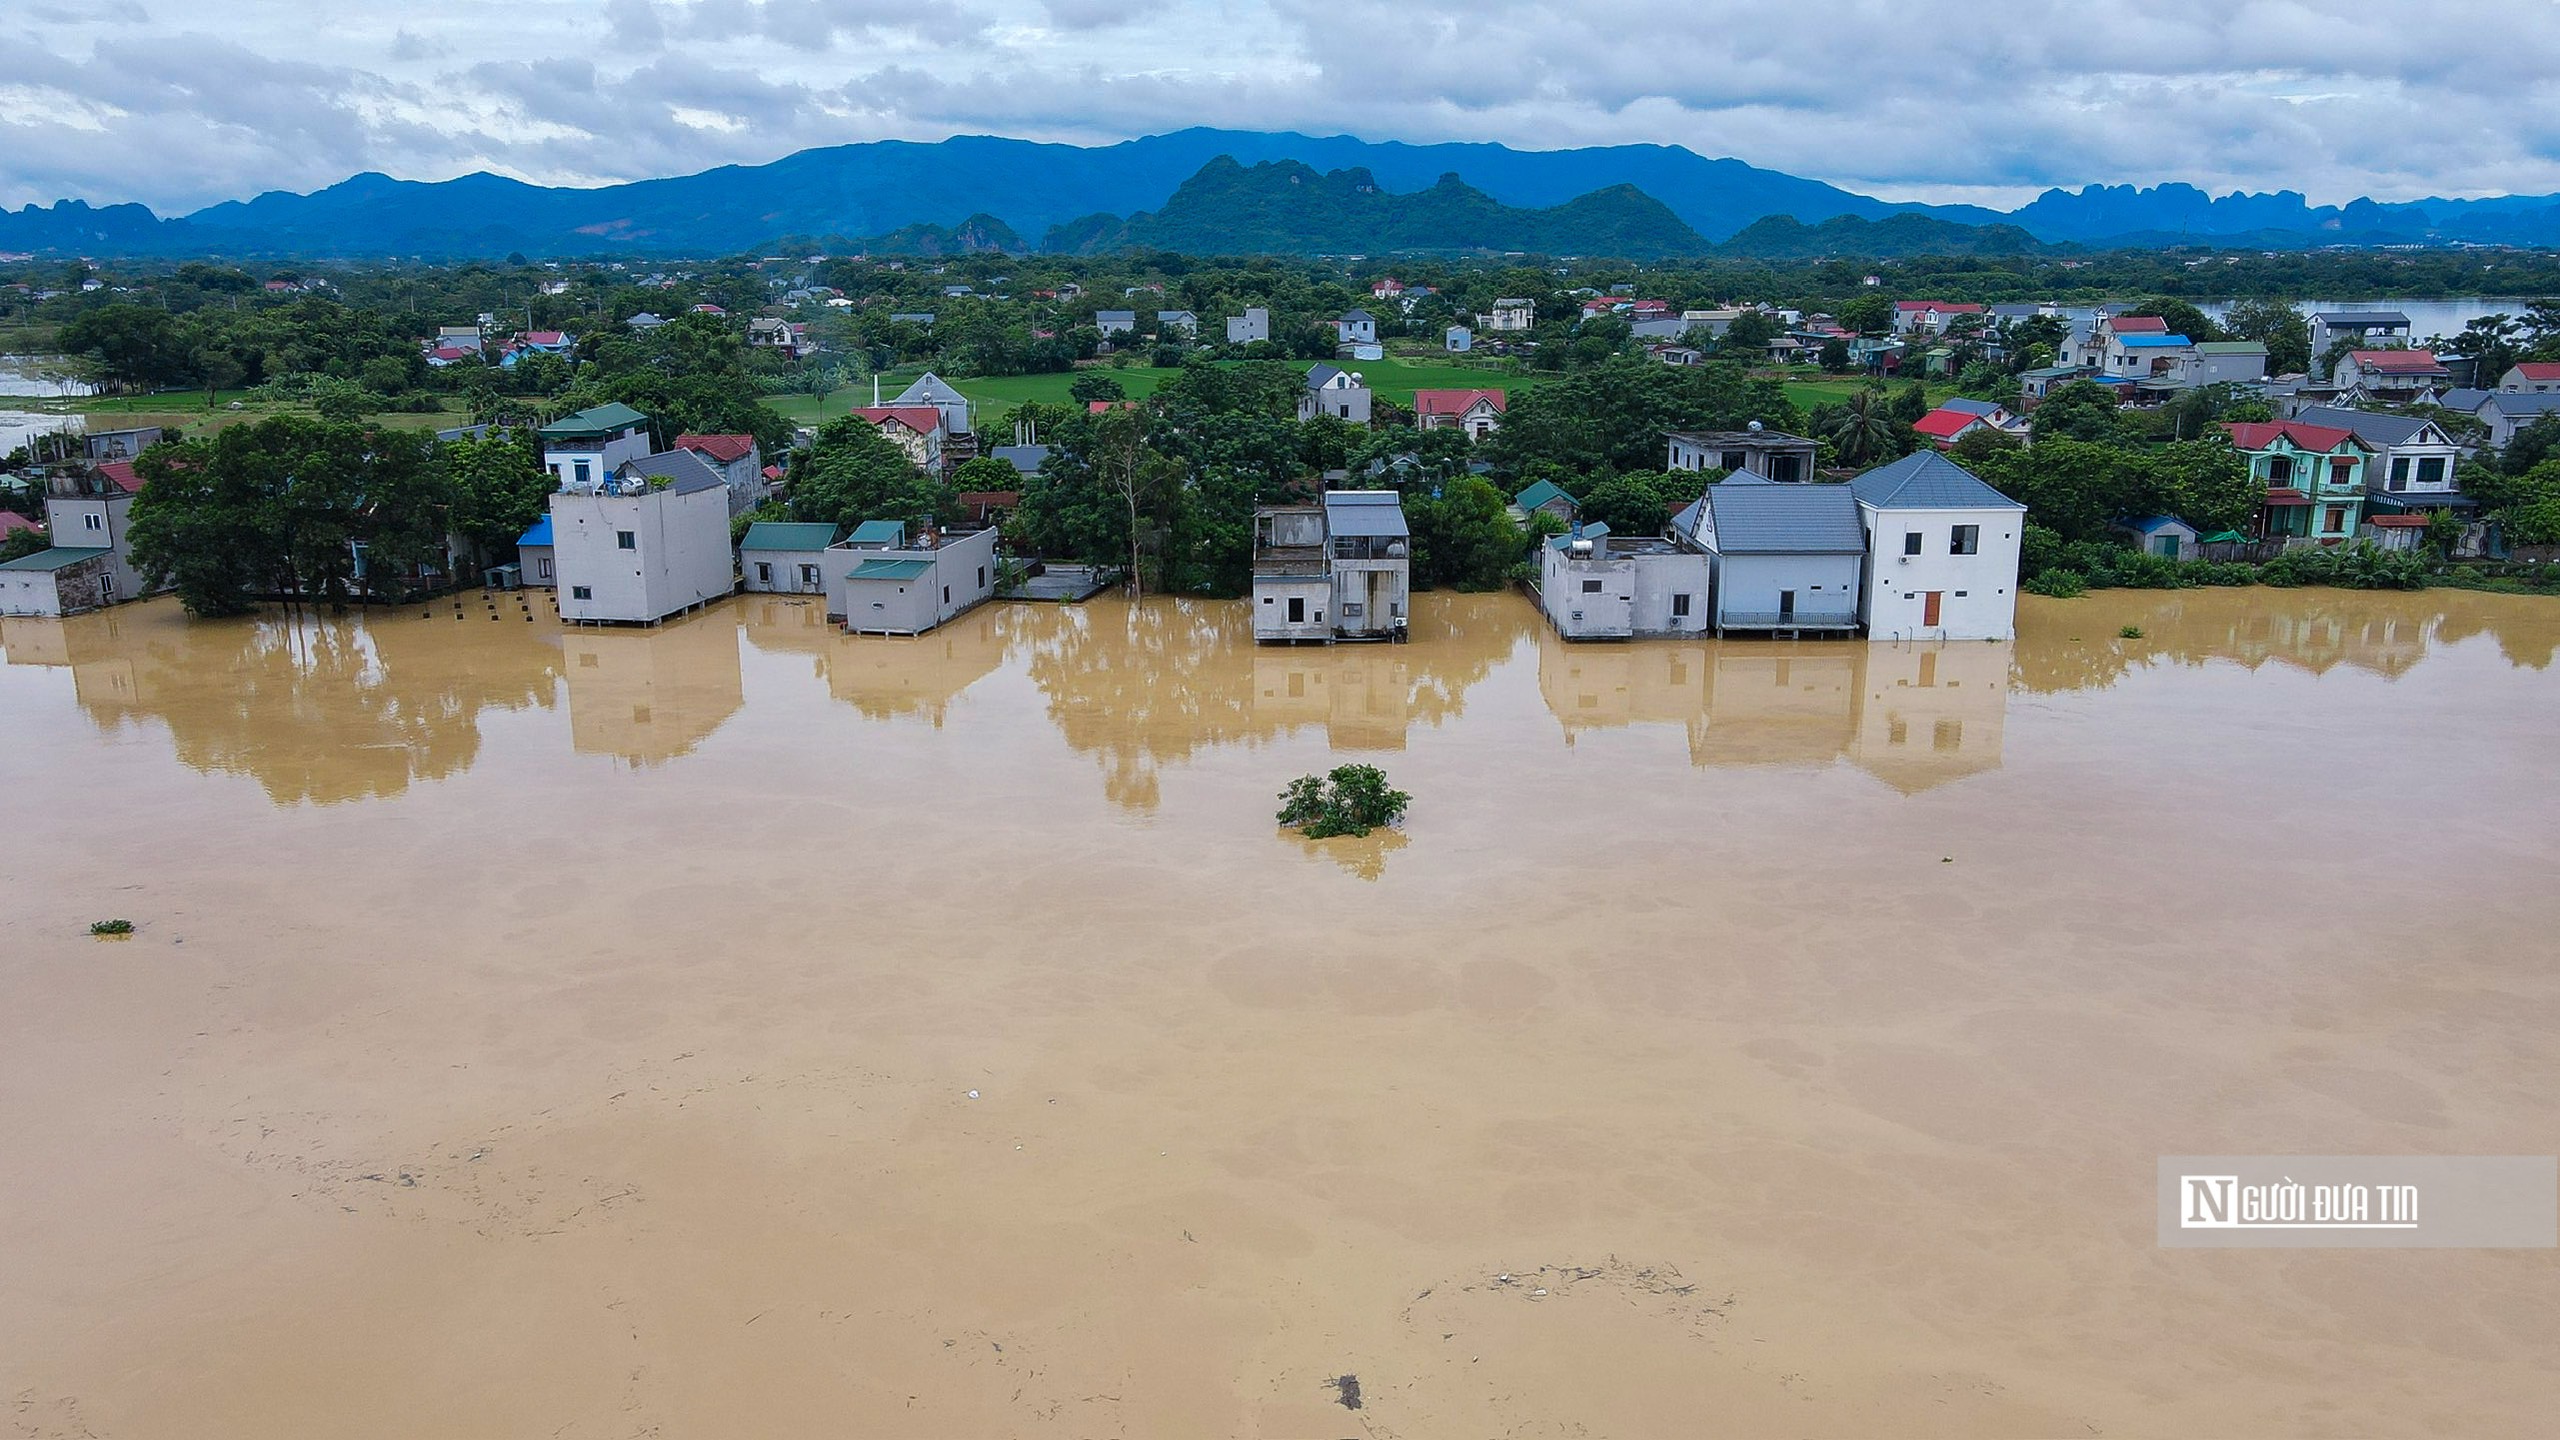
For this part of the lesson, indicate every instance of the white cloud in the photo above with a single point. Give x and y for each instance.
(178, 106)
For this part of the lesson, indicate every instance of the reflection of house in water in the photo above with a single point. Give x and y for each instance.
(2316, 631)
(315, 708)
(1914, 715)
(885, 676)
(1362, 697)
(652, 695)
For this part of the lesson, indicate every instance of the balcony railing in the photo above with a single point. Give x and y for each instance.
(1790, 620)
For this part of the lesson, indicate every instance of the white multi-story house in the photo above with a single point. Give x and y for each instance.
(1510, 313)
(582, 449)
(648, 541)
(1478, 412)
(1784, 558)
(1250, 327)
(1331, 390)
(740, 462)
(2368, 328)
(2530, 378)
(2391, 376)
(1769, 454)
(2412, 469)
(87, 515)
(1115, 322)
(1356, 327)
(1342, 570)
(1941, 552)
(915, 429)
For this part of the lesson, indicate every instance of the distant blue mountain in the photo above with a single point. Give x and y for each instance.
(856, 191)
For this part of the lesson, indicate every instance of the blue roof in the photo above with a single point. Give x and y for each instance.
(1784, 519)
(2156, 524)
(1927, 480)
(540, 534)
(1974, 407)
(1364, 512)
(2153, 342)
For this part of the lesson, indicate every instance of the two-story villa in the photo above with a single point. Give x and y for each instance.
(2314, 477)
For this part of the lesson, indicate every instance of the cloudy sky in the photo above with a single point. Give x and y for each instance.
(177, 103)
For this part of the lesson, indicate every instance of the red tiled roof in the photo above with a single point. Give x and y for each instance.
(706, 308)
(2259, 434)
(984, 499)
(2285, 495)
(773, 472)
(542, 337)
(12, 522)
(450, 352)
(723, 448)
(922, 419)
(2397, 362)
(2398, 522)
(1455, 402)
(2139, 325)
(1944, 424)
(1102, 407)
(2538, 370)
(119, 473)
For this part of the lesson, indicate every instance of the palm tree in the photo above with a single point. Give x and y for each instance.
(1862, 433)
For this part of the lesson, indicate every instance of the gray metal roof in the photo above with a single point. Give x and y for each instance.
(1363, 512)
(2464, 399)
(1973, 407)
(2512, 405)
(930, 389)
(2369, 426)
(2335, 318)
(1785, 520)
(684, 471)
(1319, 376)
(1025, 458)
(1927, 480)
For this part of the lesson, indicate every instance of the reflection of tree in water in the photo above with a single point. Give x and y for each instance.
(1362, 855)
(2074, 645)
(315, 708)
(1144, 686)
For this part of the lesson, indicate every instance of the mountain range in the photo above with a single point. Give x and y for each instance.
(1169, 189)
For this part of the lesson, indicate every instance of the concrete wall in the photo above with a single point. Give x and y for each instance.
(1587, 599)
(562, 459)
(1382, 591)
(83, 522)
(1660, 580)
(1977, 593)
(1271, 608)
(680, 554)
(1750, 584)
(786, 566)
(540, 567)
(963, 575)
(1350, 403)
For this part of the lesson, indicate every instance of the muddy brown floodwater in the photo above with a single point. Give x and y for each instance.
(736, 1029)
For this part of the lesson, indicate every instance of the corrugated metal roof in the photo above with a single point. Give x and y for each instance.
(2370, 426)
(1926, 480)
(600, 420)
(540, 534)
(1785, 520)
(684, 471)
(60, 557)
(1542, 492)
(787, 535)
(878, 532)
(1973, 407)
(888, 570)
(1363, 512)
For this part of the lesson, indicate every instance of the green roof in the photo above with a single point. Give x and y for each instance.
(878, 532)
(787, 535)
(60, 557)
(889, 570)
(609, 419)
(1542, 492)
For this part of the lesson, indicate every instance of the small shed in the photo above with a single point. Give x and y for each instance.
(533, 556)
(2163, 535)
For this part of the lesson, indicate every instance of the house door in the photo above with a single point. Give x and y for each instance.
(1929, 606)
(1297, 610)
(1786, 604)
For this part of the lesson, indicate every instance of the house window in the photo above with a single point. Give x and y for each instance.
(1351, 610)
(1590, 587)
(542, 568)
(2334, 521)
(1910, 542)
(1965, 540)
(2279, 470)
(627, 539)
(94, 522)
(1679, 604)
(2431, 470)
(1297, 610)
(584, 472)
(946, 594)
(1947, 735)
(809, 575)
(764, 573)
(982, 576)
(581, 592)
(2400, 472)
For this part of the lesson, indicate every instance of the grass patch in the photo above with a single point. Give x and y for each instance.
(110, 927)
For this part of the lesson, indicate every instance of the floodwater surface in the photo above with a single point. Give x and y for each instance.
(739, 1029)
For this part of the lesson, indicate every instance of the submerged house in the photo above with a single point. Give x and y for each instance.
(1942, 552)
(648, 541)
(1783, 558)
(87, 512)
(885, 579)
(783, 557)
(1593, 585)
(2314, 477)
(1341, 570)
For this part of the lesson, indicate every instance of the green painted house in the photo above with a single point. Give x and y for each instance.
(2313, 475)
